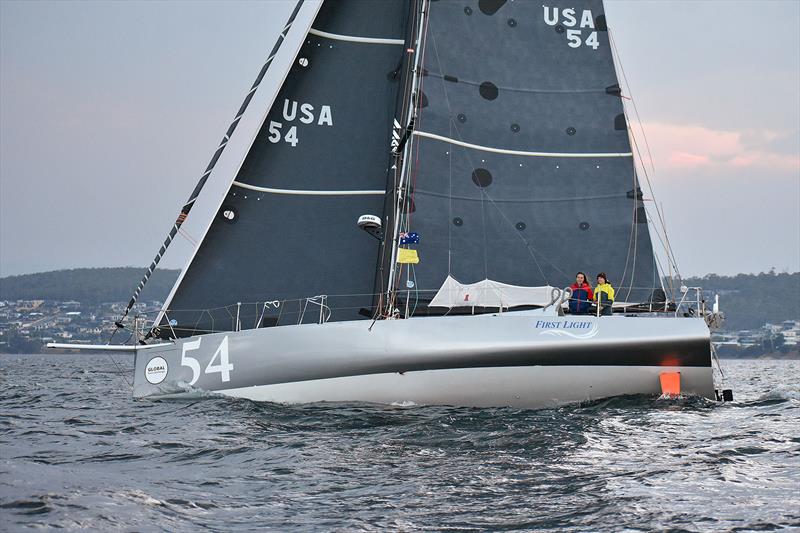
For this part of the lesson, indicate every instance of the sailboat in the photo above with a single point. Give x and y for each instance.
(401, 219)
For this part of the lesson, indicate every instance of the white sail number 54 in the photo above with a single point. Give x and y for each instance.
(275, 133)
(224, 367)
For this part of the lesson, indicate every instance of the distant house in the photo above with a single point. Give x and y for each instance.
(28, 305)
(749, 340)
(725, 339)
(791, 332)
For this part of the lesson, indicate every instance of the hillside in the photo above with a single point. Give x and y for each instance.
(751, 300)
(87, 285)
(748, 300)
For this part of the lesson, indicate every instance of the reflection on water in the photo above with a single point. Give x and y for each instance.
(77, 452)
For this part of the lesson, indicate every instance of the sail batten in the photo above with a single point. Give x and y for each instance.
(354, 38)
(424, 192)
(307, 192)
(527, 153)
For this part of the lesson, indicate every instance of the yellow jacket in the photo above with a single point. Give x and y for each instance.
(606, 288)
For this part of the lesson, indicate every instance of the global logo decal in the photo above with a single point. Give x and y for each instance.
(156, 370)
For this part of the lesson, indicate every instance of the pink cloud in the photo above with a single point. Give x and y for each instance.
(685, 159)
(680, 146)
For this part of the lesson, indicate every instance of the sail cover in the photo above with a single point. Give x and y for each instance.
(287, 228)
(523, 171)
(489, 293)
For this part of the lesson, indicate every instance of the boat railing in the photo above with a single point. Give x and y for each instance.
(692, 303)
(320, 308)
(315, 309)
(699, 301)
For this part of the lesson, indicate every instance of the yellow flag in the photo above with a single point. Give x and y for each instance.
(406, 256)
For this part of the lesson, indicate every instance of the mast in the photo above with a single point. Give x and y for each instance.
(402, 185)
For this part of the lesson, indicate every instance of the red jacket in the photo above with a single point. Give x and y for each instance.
(579, 302)
(585, 287)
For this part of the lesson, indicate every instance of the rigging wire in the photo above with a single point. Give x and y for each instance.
(657, 228)
(632, 239)
(635, 244)
(450, 204)
(484, 194)
(450, 177)
(186, 235)
(664, 242)
(630, 92)
(667, 245)
(120, 372)
(658, 233)
(635, 231)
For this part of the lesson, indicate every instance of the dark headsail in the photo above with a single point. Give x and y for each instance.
(522, 165)
(287, 228)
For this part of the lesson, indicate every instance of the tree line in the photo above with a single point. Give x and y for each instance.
(748, 300)
(751, 300)
(91, 286)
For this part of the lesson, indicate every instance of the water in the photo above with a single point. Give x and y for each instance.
(77, 452)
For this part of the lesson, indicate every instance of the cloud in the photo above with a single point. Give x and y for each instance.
(686, 147)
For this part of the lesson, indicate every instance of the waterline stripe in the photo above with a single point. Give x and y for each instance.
(307, 192)
(354, 39)
(518, 152)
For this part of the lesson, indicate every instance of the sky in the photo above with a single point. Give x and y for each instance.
(109, 112)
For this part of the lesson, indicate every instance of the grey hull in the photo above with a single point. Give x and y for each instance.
(527, 359)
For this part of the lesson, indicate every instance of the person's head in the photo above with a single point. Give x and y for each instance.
(580, 278)
(602, 278)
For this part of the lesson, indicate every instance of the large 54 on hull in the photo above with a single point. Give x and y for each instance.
(524, 359)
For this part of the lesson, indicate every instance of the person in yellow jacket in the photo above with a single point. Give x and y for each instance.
(604, 294)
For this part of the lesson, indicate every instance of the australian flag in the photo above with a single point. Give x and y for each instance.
(409, 238)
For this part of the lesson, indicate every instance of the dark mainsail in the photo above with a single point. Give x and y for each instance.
(522, 165)
(287, 227)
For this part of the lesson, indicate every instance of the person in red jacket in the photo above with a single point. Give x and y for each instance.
(581, 298)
